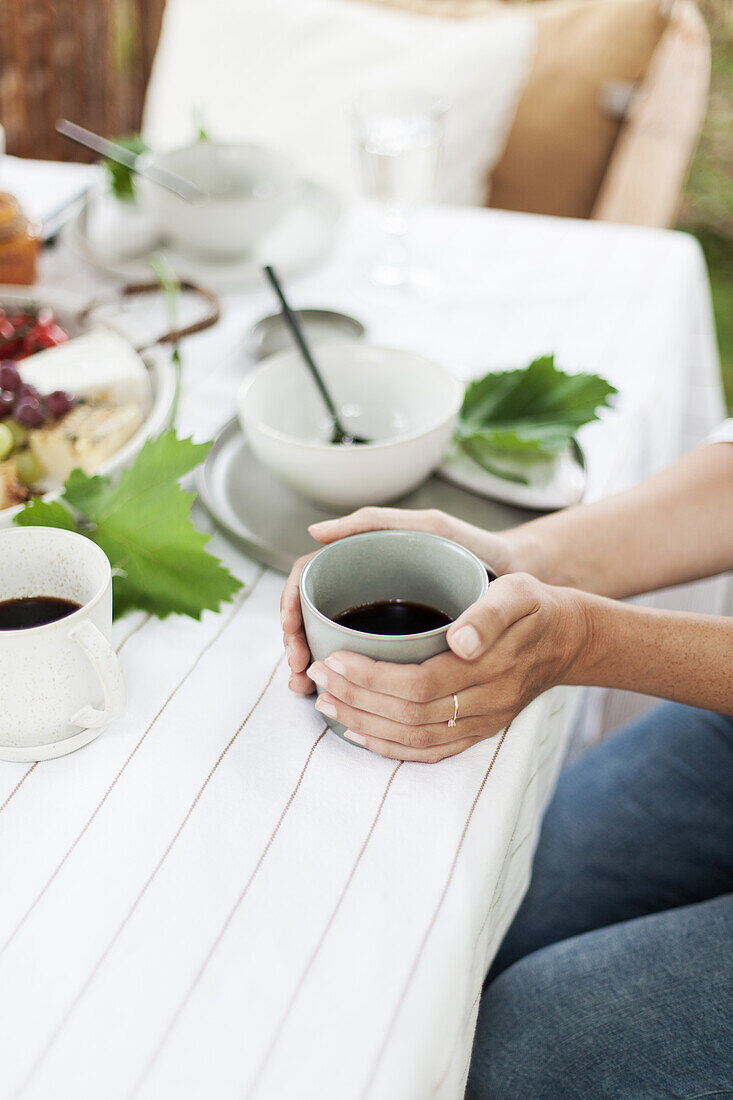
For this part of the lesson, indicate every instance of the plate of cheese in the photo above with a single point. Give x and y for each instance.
(72, 394)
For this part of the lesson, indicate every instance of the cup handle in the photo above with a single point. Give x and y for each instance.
(107, 667)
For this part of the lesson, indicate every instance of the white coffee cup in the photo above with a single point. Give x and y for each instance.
(60, 683)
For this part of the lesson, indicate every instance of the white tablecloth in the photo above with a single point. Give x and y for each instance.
(218, 899)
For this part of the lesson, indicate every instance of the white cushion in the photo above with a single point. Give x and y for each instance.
(282, 72)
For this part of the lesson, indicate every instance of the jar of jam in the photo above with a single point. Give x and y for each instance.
(19, 243)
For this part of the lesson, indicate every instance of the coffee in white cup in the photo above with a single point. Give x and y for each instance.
(60, 679)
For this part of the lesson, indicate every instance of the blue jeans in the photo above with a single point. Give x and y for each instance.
(616, 978)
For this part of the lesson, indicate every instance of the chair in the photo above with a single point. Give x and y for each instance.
(91, 60)
(646, 174)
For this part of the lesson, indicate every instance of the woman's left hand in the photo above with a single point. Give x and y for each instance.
(522, 638)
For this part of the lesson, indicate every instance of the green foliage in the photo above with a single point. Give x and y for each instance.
(199, 125)
(143, 524)
(708, 204)
(529, 413)
(718, 251)
(709, 192)
(121, 179)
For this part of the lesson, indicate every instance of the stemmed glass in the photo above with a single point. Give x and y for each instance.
(399, 139)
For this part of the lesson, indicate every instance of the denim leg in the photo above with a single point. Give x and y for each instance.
(640, 824)
(642, 1010)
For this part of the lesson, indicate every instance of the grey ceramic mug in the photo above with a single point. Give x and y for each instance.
(386, 565)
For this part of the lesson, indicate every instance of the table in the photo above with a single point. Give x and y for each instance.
(219, 899)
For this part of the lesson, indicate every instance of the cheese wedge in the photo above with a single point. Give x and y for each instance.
(12, 489)
(86, 437)
(99, 366)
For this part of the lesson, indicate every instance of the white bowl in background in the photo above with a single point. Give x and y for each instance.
(405, 403)
(248, 188)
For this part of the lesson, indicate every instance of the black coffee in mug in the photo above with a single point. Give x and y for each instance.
(28, 611)
(393, 617)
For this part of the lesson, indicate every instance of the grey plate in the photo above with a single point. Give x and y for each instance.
(552, 484)
(270, 521)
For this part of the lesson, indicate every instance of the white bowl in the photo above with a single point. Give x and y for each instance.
(405, 403)
(248, 188)
(163, 380)
(67, 306)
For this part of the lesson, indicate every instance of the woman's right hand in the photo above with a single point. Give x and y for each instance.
(494, 550)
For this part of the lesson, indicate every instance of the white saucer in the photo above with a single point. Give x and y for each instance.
(553, 483)
(301, 239)
(24, 754)
(270, 521)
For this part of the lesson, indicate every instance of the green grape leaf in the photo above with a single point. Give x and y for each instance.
(528, 413)
(159, 559)
(43, 513)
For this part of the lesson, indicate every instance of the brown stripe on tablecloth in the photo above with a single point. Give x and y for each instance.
(143, 622)
(18, 785)
(416, 962)
(114, 782)
(33, 766)
(498, 896)
(511, 851)
(148, 882)
(301, 980)
(467, 1063)
(499, 893)
(123, 643)
(222, 931)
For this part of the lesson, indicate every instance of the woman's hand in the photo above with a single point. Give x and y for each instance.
(492, 549)
(522, 638)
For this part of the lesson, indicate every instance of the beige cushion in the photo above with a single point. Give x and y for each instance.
(562, 139)
(283, 73)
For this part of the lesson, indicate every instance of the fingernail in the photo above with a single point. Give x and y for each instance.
(325, 708)
(465, 642)
(291, 683)
(322, 524)
(282, 619)
(317, 674)
(355, 737)
(335, 665)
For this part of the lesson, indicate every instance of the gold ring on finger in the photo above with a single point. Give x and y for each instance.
(452, 721)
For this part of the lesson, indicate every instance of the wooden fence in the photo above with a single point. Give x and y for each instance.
(87, 60)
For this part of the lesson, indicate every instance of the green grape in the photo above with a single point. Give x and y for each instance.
(29, 468)
(6, 441)
(18, 432)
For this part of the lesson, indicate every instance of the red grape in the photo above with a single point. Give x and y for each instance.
(29, 411)
(59, 403)
(9, 377)
(27, 390)
(7, 400)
